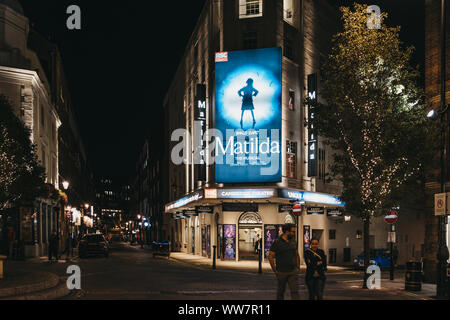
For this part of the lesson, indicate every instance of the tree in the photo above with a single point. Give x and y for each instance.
(21, 178)
(374, 118)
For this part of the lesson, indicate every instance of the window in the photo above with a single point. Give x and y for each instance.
(288, 11)
(250, 8)
(44, 157)
(42, 116)
(291, 100)
(250, 40)
(332, 255)
(291, 159)
(332, 235)
(358, 234)
(288, 47)
(322, 163)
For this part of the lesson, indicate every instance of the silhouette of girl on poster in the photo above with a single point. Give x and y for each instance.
(247, 93)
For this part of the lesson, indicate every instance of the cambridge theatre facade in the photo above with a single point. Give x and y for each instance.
(246, 71)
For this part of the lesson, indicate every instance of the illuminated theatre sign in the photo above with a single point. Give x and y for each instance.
(311, 197)
(198, 195)
(239, 193)
(248, 116)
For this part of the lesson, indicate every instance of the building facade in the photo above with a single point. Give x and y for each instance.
(200, 212)
(112, 203)
(147, 198)
(33, 78)
(23, 81)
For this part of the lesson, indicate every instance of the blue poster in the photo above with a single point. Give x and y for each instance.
(248, 116)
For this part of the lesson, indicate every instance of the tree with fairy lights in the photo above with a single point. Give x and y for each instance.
(373, 118)
(21, 178)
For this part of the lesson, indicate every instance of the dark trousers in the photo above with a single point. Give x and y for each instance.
(291, 279)
(315, 286)
(52, 252)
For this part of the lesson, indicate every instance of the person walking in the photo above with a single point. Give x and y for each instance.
(316, 265)
(53, 246)
(285, 262)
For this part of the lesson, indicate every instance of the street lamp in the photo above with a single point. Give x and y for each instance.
(65, 185)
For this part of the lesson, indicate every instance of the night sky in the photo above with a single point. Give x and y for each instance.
(120, 65)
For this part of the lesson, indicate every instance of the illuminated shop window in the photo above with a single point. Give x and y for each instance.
(250, 8)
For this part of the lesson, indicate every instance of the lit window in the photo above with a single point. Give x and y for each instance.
(250, 8)
(288, 11)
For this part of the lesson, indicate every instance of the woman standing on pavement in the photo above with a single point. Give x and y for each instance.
(316, 265)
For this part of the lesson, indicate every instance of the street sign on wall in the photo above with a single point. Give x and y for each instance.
(440, 204)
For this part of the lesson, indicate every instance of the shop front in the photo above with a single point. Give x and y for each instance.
(235, 219)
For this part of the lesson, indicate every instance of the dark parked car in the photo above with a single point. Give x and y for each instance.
(93, 244)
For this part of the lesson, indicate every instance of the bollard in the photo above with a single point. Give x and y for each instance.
(2, 258)
(448, 280)
(214, 258)
(260, 260)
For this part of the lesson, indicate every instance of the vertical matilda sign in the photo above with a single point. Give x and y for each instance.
(312, 132)
(248, 116)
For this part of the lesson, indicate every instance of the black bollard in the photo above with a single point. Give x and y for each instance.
(260, 260)
(214, 258)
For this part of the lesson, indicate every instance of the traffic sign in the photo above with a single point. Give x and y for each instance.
(440, 204)
(297, 210)
(391, 217)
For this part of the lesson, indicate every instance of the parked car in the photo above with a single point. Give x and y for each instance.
(379, 257)
(161, 248)
(94, 244)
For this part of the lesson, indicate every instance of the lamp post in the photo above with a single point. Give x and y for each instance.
(443, 254)
(65, 185)
(86, 207)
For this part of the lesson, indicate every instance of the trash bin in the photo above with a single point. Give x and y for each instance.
(413, 276)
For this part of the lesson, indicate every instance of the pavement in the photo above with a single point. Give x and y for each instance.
(351, 288)
(26, 280)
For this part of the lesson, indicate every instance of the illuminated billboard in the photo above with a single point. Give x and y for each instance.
(248, 116)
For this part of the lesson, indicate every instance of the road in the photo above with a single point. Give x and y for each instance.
(131, 273)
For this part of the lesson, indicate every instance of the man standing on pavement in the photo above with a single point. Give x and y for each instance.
(53, 246)
(316, 265)
(285, 262)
